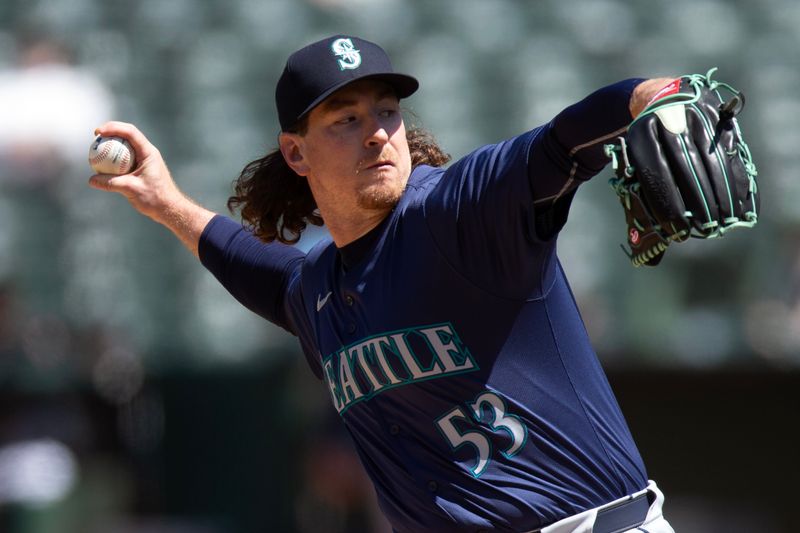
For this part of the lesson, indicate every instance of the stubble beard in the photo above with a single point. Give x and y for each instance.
(380, 196)
(385, 192)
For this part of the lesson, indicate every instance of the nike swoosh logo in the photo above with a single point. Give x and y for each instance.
(322, 301)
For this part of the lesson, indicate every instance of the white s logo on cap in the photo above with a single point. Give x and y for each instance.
(350, 57)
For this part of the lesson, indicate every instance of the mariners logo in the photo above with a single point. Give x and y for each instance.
(350, 58)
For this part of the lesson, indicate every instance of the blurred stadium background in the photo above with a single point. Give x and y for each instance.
(137, 397)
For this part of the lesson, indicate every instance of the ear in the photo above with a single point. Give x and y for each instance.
(292, 149)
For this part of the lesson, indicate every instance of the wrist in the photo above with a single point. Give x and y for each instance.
(186, 220)
(644, 93)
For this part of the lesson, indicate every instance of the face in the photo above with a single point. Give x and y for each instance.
(354, 152)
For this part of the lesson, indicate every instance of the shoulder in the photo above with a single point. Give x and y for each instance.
(311, 277)
(421, 182)
(423, 177)
(321, 253)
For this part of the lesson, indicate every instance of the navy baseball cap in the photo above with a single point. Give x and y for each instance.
(316, 71)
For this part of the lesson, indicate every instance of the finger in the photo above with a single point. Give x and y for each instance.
(141, 145)
(108, 182)
(713, 160)
(656, 176)
(731, 182)
(744, 194)
(693, 181)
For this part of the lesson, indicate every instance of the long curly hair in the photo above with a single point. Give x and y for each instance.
(276, 203)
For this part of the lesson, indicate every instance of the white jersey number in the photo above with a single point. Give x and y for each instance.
(490, 409)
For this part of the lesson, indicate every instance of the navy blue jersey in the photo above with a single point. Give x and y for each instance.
(450, 342)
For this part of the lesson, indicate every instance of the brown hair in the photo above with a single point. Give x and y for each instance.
(276, 203)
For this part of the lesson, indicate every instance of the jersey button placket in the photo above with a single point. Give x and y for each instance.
(394, 429)
(351, 325)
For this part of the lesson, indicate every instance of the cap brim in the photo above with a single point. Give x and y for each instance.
(403, 85)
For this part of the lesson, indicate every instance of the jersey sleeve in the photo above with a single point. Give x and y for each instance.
(262, 277)
(569, 151)
(495, 212)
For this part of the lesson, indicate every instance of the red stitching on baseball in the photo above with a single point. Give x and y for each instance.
(102, 153)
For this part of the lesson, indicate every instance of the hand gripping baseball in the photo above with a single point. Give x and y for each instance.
(683, 169)
(148, 187)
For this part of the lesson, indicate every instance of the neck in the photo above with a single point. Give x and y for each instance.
(347, 227)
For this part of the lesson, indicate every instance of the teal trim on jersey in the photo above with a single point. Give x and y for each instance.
(479, 417)
(482, 427)
(462, 350)
(466, 416)
(333, 377)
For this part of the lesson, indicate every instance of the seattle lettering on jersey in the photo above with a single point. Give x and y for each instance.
(360, 371)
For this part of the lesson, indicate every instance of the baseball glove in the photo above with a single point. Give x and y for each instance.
(683, 170)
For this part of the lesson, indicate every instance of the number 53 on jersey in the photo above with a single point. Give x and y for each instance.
(488, 413)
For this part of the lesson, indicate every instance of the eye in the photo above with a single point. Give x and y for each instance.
(386, 113)
(346, 120)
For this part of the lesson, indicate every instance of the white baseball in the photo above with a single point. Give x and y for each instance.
(111, 155)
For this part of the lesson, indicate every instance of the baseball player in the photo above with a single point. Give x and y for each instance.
(437, 315)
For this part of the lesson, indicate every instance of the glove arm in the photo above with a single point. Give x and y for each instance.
(569, 150)
(574, 139)
(579, 127)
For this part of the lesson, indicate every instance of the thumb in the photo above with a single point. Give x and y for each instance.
(111, 183)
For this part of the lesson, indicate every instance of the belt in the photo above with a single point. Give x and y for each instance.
(622, 516)
(615, 518)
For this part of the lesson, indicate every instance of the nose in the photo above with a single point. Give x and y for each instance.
(376, 132)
